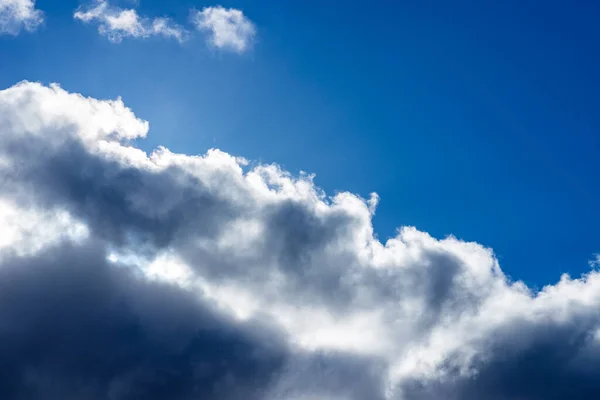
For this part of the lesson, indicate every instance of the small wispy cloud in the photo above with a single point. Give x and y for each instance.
(228, 29)
(16, 15)
(116, 23)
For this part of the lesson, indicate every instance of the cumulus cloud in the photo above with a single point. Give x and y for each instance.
(166, 275)
(228, 28)
(18, 14)
(116, 23)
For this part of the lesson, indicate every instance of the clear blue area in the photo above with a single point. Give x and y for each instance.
(476, 118)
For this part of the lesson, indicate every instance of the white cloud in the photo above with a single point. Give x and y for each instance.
(26, 231)
(414, 317)
(228, 28)
(117, 23)
(18, 14)
(95, 121)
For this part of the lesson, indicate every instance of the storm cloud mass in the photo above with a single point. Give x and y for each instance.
(126, 275)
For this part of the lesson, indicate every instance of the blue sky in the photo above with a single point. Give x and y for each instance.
(478, 120)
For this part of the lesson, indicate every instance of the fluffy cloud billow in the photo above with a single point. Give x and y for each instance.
(228, 28)
(127, 275)
(16, 15)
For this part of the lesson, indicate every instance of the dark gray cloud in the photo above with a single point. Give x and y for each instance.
(331, 375)
(73, 326)
(525, 361)
(118, 202)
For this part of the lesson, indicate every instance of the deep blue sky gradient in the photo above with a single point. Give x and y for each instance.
(478, 120)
